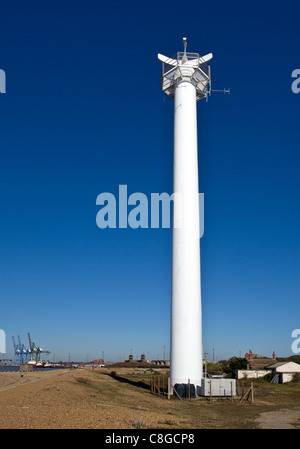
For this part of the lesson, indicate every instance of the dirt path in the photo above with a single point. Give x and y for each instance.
(281, 419)
(10, 380)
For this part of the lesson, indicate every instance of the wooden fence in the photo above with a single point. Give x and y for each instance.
(161, 386)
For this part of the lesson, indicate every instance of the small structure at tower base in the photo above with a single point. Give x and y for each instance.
(218, 387)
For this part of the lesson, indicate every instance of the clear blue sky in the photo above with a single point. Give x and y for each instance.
(84, 113)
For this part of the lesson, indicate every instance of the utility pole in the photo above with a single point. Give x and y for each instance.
(205, 355)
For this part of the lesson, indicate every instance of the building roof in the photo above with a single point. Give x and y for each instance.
(286, 367)
(278, 364)
(261, 361)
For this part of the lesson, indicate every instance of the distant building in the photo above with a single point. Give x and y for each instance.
(250, 356)
(131, 360)
(250, 374)
(98, 362)
(160, 362)
(93, 364)
(257, 361)
(285, 370)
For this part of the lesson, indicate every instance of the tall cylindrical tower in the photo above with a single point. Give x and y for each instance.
(186, 80)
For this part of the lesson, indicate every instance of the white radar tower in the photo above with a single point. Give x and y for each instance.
(186, 79)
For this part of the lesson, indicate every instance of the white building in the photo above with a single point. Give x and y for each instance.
(251, 374)
(218, 387)
(285, 370)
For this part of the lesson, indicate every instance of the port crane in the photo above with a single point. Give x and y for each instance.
(35, 351)
(22, 354)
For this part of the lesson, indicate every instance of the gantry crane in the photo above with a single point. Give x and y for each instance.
(21, 352)
(35, 351)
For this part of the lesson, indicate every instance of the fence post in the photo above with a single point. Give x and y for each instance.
(174, 391)
(169, 388)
